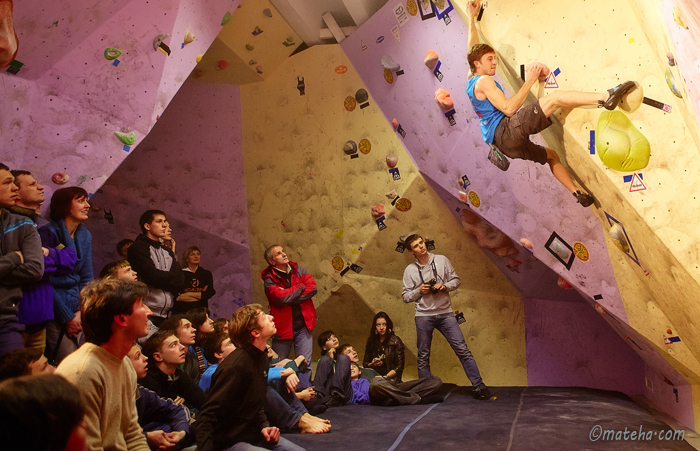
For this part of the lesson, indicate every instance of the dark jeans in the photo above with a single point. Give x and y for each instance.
(282, 445)
(383, 392)
(449, 328)
(331, 380)
(283, 409)
(10, 335)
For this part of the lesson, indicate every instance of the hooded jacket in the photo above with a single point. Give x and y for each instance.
(17, 233)
(156, 267)
(282, 295)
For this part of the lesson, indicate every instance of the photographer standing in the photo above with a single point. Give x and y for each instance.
(427, 282)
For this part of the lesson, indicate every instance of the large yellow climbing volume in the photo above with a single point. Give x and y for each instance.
(619, 144)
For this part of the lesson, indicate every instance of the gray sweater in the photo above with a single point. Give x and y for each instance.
(17, 233)
(430, 304)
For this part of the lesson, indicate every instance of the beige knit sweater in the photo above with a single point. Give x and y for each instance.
(108, 386)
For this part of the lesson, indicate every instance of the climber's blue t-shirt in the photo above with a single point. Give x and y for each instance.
(489, 115)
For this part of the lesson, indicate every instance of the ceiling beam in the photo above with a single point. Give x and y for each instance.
(333, 26)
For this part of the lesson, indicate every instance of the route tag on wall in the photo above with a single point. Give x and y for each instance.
(395, 173)
(437, 72)
(447, 19)
(356, 268)
(450, 115)
(401, 131)
(400, 247)
(430, 245)
(465, 182)
(380, 223)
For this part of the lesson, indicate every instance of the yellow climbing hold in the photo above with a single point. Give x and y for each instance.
(581, 252)
(474, 199)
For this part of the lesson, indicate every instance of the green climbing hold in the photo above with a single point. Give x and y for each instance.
(249, 47)
(111, 53)
(226, 19)
(619, 144)
(126, 138)
(671, 82)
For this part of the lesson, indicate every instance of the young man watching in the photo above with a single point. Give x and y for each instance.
(156, 264)
(233, 417)
(113, 316)
(164, 423)
(21, 261)
(506, 124)
(289, 290)
(217, 347)
(24, 362)
(36, 308)
(186, 334)
(427, 282)
(120, 269)
(164, 375)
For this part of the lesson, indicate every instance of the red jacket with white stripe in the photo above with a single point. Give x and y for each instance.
(282, 294)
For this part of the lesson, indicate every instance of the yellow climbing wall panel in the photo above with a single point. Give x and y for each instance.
(306, 194)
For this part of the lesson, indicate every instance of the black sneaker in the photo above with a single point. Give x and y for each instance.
(335, 401)
(483, 394)
(585, 200)
(615, 94)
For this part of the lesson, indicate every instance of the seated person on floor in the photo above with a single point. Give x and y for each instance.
(186, 333)
(24, 362)
(41, 413)
(216, 346)
(203, 326)
(164, 423)
(365, 373)
(235, 412)
(334, 379)
(384, 351)
(164, 376)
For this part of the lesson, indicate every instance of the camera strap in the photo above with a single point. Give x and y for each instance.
(420, 272)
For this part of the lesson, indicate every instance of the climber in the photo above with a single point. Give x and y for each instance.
(507, 126)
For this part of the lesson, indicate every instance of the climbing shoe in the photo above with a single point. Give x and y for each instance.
(615, 94)
(584, 199)
(483, 394)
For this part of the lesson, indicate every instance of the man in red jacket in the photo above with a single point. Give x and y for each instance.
(289, 290)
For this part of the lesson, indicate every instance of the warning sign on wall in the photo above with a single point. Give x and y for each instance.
(551, 81)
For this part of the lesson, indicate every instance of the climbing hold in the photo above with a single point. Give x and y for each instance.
(301, 86)
(564, 284)
(619, 144)
(365, 146)
(394, 123)
(388, 76)
(526, 243)
(350, 147)
(189, 37)
(111, 53)
(288, 42)
(226, 18)
(389, 63)
(338, 263)
(431, 59)
(126, 138)
(158, 43)
(671, 82)
(443, 99)
(361, 95)
(543, 73)
(560, 250)
(678, 17)
(392, 194)
(60, 178)
(350, 103)
(619, 238)
(341, 69)
(392, 160)
(258, 69)
(601, 310)
(671, 59)
(252, 62)
(403, 204)
(223, 64)
(267, 12)
(249, 47)
(197, 73)
(257, 31)
(199, 57)
(668, 331)
(378, 211)
(632, 99)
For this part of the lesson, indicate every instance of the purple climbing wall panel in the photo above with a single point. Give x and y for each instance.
(60, 111)
(191, 167)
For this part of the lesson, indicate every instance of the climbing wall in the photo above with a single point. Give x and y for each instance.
(191, 167)
(652, 288)
(60, 111)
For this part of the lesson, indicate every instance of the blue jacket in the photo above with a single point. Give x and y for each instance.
(37, 297)
(66, 288)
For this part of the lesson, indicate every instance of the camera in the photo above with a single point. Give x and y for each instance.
(432, 283)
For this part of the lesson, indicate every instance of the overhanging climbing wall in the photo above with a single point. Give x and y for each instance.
(59, 113)
(595, 46)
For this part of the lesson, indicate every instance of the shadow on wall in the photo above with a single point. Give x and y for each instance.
(349, 316)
